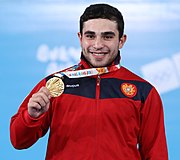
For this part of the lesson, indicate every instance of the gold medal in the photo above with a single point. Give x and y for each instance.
(56, 86)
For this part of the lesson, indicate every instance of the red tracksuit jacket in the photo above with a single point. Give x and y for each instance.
(115, 116)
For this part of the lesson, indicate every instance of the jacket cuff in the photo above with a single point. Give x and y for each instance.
(30, 121)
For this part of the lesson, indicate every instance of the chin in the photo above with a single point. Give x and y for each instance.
(96, 63)
(99, 65)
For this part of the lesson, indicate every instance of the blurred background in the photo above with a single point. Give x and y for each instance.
(38, 37)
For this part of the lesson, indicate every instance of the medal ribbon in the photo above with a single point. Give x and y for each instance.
(87, 72)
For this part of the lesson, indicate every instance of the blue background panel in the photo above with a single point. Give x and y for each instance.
(40, 37)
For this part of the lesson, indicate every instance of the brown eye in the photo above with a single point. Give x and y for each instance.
(108, 37)
(90, 36)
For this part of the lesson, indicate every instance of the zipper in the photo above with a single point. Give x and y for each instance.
(97, 117)
(98, 87)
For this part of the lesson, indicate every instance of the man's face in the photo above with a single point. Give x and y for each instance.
(100, 41)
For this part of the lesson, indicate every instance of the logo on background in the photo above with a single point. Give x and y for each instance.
(57, 58)
(164, 74)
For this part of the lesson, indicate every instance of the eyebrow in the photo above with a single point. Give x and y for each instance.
(89, 32)
(103, 33)
(108, 33)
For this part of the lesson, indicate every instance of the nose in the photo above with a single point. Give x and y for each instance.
(98, 43)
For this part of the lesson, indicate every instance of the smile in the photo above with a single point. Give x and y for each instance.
(98, 54)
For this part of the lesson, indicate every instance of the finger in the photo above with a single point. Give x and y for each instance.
(34, 109)
(41, 97)
(34, 105)
(45, 91)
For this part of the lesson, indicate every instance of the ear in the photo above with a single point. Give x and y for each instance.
(80, 37)
(122, 41)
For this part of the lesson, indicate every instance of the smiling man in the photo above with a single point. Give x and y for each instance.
(98, 109)
(100, 41)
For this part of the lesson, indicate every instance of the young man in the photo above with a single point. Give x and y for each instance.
(97, 109)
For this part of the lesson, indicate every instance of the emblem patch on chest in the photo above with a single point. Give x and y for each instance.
(128, 89)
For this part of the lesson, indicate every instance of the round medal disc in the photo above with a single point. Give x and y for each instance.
(56, 86)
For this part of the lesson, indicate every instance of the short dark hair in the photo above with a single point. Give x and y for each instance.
(103, 11)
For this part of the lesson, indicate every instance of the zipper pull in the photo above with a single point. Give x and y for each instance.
(98, 80)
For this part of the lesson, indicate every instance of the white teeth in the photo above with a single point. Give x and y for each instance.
(98, 54)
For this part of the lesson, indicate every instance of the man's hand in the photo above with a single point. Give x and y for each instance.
(39, 102)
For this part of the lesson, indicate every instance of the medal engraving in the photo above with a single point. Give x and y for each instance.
(56, 86)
